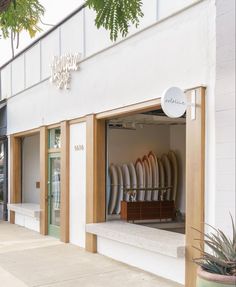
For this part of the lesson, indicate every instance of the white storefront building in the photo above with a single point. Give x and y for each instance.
(66, 140)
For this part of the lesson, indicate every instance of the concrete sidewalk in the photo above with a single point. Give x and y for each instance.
(29, 259)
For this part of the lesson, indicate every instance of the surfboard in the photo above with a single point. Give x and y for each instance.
(167, 168)
(140, 180)
(147, 164)
(162, 175)
(133, 177)
(114, 189)
(120, 190)
(144, 179)
(126, 180)
(174, 165)
(155, 174)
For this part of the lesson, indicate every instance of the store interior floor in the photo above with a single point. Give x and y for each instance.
(173, 226)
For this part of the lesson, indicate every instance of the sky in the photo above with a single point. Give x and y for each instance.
(56, 10)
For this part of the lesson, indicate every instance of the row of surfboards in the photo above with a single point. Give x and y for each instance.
(148, 172)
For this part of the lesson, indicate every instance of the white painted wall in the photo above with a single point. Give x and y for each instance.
(50, 47)
(135, 70)
(168, 7)
(164, 266)
(72, 35)
(6, 82)
(225, 196)
(18, 75)
(27, 222)
(79, 34)
(30, 169)
(128, 145)
(32, 66)
(77, 184)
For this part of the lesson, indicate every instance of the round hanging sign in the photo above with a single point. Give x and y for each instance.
(174, 102)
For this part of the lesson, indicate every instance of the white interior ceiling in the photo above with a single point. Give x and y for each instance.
(130, 122)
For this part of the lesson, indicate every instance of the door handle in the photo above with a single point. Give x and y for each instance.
(48, 197)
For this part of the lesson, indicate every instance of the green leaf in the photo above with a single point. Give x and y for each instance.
(221, 258)
(116, 16)
(24, 15)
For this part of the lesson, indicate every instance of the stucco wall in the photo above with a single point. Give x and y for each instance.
(78, 184)
(225, 198)
(128, 145)
(30, 169)
(173, 52)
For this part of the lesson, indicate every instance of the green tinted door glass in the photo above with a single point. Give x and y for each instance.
(54, 138)
(54, 195)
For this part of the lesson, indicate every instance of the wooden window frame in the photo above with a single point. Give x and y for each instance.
(195, 172)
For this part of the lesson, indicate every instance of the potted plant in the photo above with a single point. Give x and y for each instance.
(217, 264)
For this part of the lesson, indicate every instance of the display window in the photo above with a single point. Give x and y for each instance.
(145, 170)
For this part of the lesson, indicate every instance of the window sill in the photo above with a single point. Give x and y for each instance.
(155, 240)
(27, 209)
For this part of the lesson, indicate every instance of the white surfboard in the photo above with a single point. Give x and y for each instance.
(167, 168)
(126, 180)
(155, 174)
(158, 177)
(144, 178)
(174, 166)
(162, 175)
(114, 189)
(133, 176)
(148, 195)
(140, 180)
(120, 190)
(108, 190)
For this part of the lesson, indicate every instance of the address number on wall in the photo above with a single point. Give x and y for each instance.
(79, 147)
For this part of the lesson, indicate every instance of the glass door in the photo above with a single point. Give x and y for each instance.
(1, 180)
(54, 194)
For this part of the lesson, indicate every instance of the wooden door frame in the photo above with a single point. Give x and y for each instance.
(53, 230)
(195, 171)
(15, 167)
(15, 175)
(65, 192)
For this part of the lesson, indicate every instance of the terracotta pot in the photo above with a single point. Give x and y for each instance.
(206, 279)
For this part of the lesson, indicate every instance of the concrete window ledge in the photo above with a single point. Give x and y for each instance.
(155, 240)
(26, 209)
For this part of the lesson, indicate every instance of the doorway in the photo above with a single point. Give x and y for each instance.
(54, 181)
(54, 194)
(3, 179)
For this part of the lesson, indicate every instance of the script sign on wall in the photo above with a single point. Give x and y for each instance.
(174, 102)
(61, 69)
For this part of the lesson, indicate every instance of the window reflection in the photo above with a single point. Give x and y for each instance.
(55, 138)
